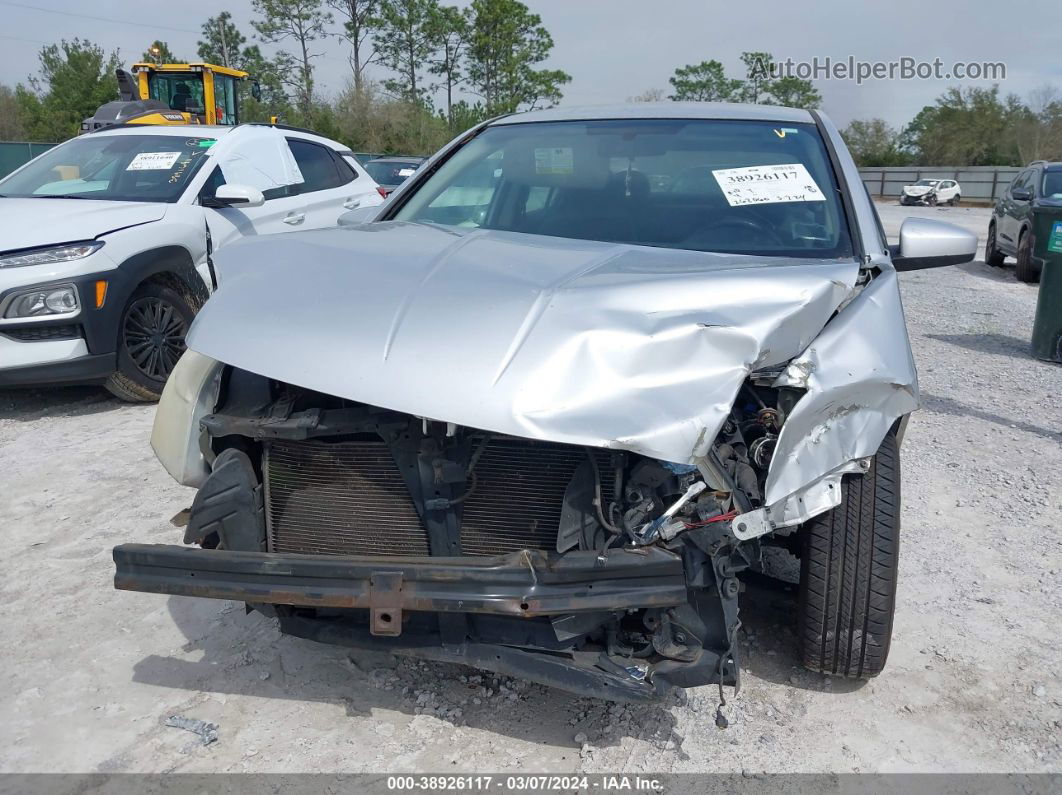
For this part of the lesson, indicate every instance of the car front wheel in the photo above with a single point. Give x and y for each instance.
(150, 341)
(848, 573)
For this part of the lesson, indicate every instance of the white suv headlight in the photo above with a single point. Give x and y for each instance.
(54, 300)
(50, 255)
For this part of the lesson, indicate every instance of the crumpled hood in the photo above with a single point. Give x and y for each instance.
(31, 223)
(917, 190)
(574, 341)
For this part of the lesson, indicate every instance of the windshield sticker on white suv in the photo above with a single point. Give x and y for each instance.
(554, 160)
(768, 184)
(153, 161)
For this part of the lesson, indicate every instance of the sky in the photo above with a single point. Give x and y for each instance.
(616, 49)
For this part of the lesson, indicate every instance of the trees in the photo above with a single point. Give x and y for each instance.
(360, 22)
(11, 127)
(368, 121)
(405, 39)
(1037, 128)
(872, 142)
(649, 95)
(505, 43)
(75, 78)
(758, 76)
(966, 127)
(707, 82)
(302, 22)
(793, 93)
(159, 52)
(222, 42)
(704, 82)
(450, 29)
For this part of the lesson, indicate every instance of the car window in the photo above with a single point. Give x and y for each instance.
(1052, 186)
(713, 185)
(212, 183)
(390, 172)
(347, 172)
(152, 168)
(319, 170)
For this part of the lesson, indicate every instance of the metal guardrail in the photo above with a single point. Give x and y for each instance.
(975, 182)
(14, 154)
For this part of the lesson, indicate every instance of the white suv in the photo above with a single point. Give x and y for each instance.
(106, 241)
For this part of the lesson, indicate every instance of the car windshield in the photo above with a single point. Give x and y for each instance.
(745, 187)
(390, 172)
(148, 168)
(927, 183)
(1052, 185)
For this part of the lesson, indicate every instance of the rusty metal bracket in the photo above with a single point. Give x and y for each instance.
(385, 603)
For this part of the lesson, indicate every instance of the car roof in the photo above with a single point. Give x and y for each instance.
(212, 131)
(663, 110)
(175, 130)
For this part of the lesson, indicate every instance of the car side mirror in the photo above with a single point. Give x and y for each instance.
(359, 216)
(926, 243)
(256, 90)
(235, 196)
(1021, 194)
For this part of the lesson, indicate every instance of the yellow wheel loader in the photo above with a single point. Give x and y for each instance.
(173, 93)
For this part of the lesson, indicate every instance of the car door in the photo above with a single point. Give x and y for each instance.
(1007, 225)
(1022, 219)
(259, 158)
(282, 211)
(331, 184)
(946, 192)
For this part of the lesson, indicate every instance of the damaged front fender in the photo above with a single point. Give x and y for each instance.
(859, 376)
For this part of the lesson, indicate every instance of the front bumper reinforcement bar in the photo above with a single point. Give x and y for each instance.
(528, 582)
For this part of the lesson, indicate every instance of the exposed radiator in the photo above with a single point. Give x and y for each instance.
(519, 495)
(344, 498)
(348, 498)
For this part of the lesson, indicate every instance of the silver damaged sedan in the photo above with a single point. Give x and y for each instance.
(543, 410)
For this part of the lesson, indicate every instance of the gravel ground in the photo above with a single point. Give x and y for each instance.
(973, 682)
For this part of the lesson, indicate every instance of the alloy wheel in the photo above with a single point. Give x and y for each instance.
(154, 336)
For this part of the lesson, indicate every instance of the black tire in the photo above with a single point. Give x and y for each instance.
(993, 256)
(150, 341)
(1025, 270)
(931, 201)
(848, 573)
(954, 200)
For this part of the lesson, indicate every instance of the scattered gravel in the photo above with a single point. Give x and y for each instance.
(973, 681)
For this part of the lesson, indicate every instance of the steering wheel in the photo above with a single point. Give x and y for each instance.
(760, 229)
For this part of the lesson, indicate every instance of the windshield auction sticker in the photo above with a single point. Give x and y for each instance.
(768, 184)
(153, 161)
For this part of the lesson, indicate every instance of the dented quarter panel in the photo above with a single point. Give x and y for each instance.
(575, 341)
(860, 378)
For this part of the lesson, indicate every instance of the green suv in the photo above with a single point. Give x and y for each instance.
(1010, 230)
